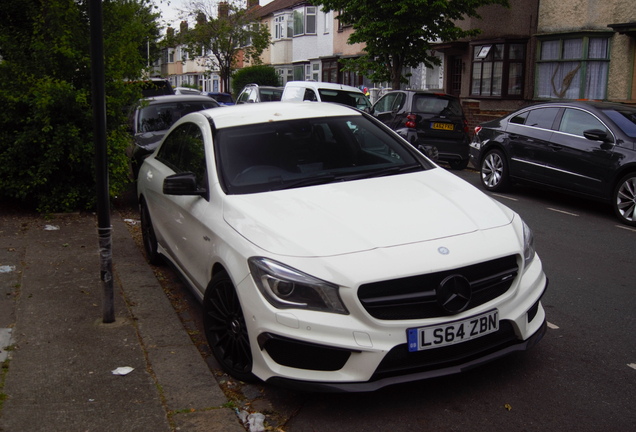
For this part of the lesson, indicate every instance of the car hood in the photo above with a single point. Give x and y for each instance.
(342, 218)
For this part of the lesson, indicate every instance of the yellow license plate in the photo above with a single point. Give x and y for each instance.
(443, 126)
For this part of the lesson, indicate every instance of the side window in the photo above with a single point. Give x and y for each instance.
(310, 95)
(399, 102)
(520, 118)
(170, 150)
(576, 121)
(385, 103)
(243, 96)
(193, 155)
(542, 117)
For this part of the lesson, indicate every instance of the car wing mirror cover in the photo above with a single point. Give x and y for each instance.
(597, 135)
(183, 184)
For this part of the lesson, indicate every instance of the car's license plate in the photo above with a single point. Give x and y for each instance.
(424, 338)
(442, 126)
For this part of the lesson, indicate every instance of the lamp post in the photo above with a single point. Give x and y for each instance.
(104, 228)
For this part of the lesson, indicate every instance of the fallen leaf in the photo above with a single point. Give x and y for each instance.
(508, 407)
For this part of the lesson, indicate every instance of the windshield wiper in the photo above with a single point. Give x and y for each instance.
(329, 178)
(399, 169)
(310, 181)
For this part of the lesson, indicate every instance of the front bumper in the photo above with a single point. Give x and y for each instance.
(372, 385)
(319, 351)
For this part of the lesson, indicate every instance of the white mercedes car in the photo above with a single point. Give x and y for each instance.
(329, 254)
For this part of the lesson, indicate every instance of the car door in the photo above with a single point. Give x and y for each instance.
(529, 134)
(187, 238)
(578, 163)
(387, 107)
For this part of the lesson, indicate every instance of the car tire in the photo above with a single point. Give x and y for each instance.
(458, 165)
(624, 199)
(225, 328)
(148, 236)
(494, 171)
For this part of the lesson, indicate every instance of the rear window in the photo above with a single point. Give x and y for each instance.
(159, 117)
(437, 105)
(353, 99)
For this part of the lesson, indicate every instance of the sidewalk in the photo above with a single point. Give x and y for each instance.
(58, 376)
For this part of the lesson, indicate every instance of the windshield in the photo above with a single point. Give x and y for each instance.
(625, 118)
(353, 99)
(160, 117)
(297, 153)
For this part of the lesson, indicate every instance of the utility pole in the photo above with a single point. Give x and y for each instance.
(104, 228)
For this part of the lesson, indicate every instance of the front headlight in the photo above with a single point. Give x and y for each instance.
(287, 288)
(528, 245)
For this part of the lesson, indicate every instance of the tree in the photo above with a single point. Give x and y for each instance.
(46, 129)
(227, 34)
(260, 74)
(399, 33)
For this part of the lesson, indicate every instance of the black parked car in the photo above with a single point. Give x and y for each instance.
(427, 118)
(587, 148)
(152, 117)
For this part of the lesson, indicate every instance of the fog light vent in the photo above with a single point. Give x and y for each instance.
(303, 355)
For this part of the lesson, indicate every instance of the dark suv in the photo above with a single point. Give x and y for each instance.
(427, 118)
(255, 93)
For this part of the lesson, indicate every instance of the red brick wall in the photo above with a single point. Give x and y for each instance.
(475, 115)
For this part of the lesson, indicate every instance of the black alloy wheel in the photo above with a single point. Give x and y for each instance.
(148, 235)
(494, 171)
(624, 199)
(225, 328)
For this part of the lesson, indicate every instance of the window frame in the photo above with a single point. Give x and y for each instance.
(584, 61)
(305, 14)
(486, 48)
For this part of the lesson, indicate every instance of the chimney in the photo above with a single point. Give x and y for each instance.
(170, 32)
(183, 27)
(224, 10)
(201, 18)
(252, 3)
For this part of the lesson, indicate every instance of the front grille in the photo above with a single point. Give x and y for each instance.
(303, 355)
(415, 297)
(399, 361)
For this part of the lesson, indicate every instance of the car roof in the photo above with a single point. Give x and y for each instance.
(579, 104)
(245, 114)
(422, 92)
(177, 98)
(322, 85)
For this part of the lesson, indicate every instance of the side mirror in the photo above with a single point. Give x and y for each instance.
(183, 184)
(597, 135)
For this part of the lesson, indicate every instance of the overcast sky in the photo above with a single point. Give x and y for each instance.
(170, 10)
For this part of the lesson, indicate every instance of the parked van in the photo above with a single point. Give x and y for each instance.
(325, 92)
